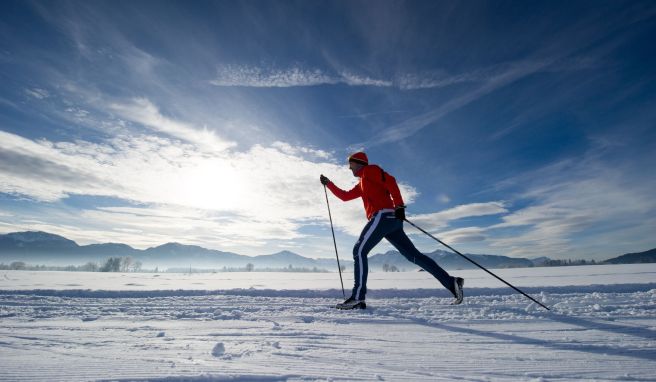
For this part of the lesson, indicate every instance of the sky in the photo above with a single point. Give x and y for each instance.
(514, 128)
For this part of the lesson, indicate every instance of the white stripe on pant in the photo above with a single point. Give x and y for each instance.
(364, 241)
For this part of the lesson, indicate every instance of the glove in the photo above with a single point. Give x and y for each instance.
(324, 180)
(399, 212)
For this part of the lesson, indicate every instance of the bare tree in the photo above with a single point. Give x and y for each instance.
(17, 265)
(126, 262)
(89, 267)
(113, 264)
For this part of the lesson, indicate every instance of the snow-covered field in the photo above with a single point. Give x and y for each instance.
(280, 326)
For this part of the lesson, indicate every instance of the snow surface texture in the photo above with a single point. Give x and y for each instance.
(58, 326)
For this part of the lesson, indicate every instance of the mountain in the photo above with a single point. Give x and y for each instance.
(49, 249)
(392, 258)
(284, 259)
(35, 241)
(182, 254)
(449, 260)
(38, 247)
(633, 258)
(108, 250)
(540, 261)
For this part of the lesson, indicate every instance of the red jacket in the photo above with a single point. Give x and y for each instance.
(377, 188)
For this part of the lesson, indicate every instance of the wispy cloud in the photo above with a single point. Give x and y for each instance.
(306, 153)
(353, 79)
(249, 76)
(37, 93)
(195, 226)
(143, 111)
(44, 171)
(464, 235)
(440, 78)
(411, 126)
(438, 220)
(490, 77)
(268, 77)
(369, 114)
(443, 198)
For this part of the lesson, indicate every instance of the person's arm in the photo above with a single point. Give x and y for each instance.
(351, 194)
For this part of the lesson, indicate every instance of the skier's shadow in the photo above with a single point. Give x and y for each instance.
(647, 354)
(598, 325)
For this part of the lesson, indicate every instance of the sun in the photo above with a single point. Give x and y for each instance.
(213, 184)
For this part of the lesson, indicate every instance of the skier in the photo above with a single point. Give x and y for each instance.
(385, 210)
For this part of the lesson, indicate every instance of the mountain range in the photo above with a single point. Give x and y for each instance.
(634, 258)
(49, 249)
(37, 247)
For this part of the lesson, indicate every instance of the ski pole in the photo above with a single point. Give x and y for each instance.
(477, 264)
(339, 267)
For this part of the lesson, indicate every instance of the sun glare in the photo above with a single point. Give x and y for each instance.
(215, 185)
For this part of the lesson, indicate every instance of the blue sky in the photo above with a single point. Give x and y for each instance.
(515, 128)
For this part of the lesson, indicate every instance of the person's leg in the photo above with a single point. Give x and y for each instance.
(371, 235)
(400, 240)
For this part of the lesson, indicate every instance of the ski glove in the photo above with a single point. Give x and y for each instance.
(324, 180)
(399, 212)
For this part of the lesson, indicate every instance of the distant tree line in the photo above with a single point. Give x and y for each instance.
(21, 266)
(127, 264)
(569, 262)
(113, 264)
(248, 268)
(390, 268)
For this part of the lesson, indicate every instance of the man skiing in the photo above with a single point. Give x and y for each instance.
(385, 210)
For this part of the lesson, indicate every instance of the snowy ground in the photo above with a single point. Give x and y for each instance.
(280, 326)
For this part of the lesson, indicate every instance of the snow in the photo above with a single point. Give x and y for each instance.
(60, 326)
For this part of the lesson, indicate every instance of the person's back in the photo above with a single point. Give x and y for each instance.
(377, 189)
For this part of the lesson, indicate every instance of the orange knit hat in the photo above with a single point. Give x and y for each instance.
(359, 157)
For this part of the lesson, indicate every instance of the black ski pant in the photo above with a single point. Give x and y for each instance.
(385, 225)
